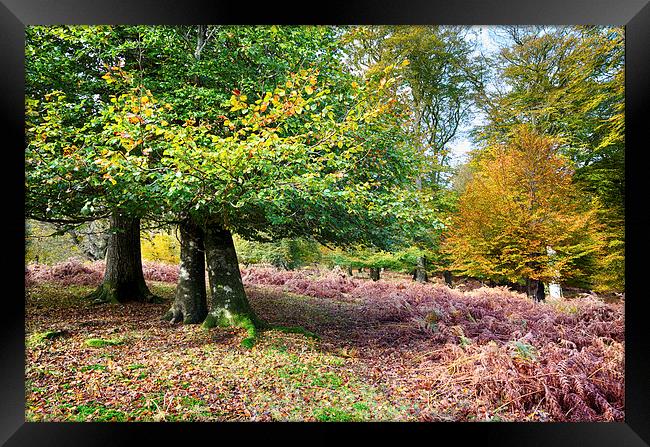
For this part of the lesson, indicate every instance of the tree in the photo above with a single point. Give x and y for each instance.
(568, 82)
(333, 177)
(65, 97)
(74, 75)
(519, 207)
(318, 155)
(436, 90)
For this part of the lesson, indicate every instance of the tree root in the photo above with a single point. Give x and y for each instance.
(105, 294)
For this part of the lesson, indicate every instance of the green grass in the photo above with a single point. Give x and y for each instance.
(100, 342)
(97, 413)
(333, 414)
(287, 376)
(135, 366)
(93, 368)
(40, 337)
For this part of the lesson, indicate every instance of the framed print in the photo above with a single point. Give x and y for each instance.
(399, 218)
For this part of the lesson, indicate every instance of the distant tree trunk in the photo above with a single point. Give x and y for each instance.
(350, 271)
(93, 242)
(447, 275)
(536, 289)
(190, 302)
(123, 277)
(374, 273)
(228, 305)
(421, 269)
(539, 294)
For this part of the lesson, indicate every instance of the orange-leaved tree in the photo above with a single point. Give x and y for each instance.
(522, 219)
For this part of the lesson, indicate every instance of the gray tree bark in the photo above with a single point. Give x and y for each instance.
(190, 301)
(448, 279)
(123, 277)
(421, 270)
(536, 289)
(228, 304)
(92, 241)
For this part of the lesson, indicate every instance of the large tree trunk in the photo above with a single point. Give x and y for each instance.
(123, 277)
(374, 273)
(421, 270)
(190, 302)
(228, 303)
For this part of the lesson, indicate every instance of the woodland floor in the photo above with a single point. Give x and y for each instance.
(371, 363)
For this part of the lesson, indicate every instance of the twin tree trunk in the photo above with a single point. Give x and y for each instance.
(228, 305)
(123, 277)
(190, 305)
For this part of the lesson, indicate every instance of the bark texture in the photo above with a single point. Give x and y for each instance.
(123, 278)
(190, 302)
(92, 241)
(228, 302)
(421, 269)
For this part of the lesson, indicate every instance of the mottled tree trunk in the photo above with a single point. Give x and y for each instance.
(92, 241)
(190, 302)
(374, 273)
(228, 304)
(421, 269)
(123, 278)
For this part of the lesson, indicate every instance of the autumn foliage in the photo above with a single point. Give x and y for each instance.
(521, 217)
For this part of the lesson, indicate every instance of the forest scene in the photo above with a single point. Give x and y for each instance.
(324, 223)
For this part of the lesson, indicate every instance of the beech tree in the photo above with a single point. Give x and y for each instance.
(72, 77)
(318, 155)
(568, 82)
(436, 92)
(521, 218)
(65, 94)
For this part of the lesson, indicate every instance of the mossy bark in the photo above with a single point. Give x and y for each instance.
(123, 278)
(421, 269)
(228, 304)
(190, 302)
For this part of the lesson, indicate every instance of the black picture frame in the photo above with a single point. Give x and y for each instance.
(634, 14)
